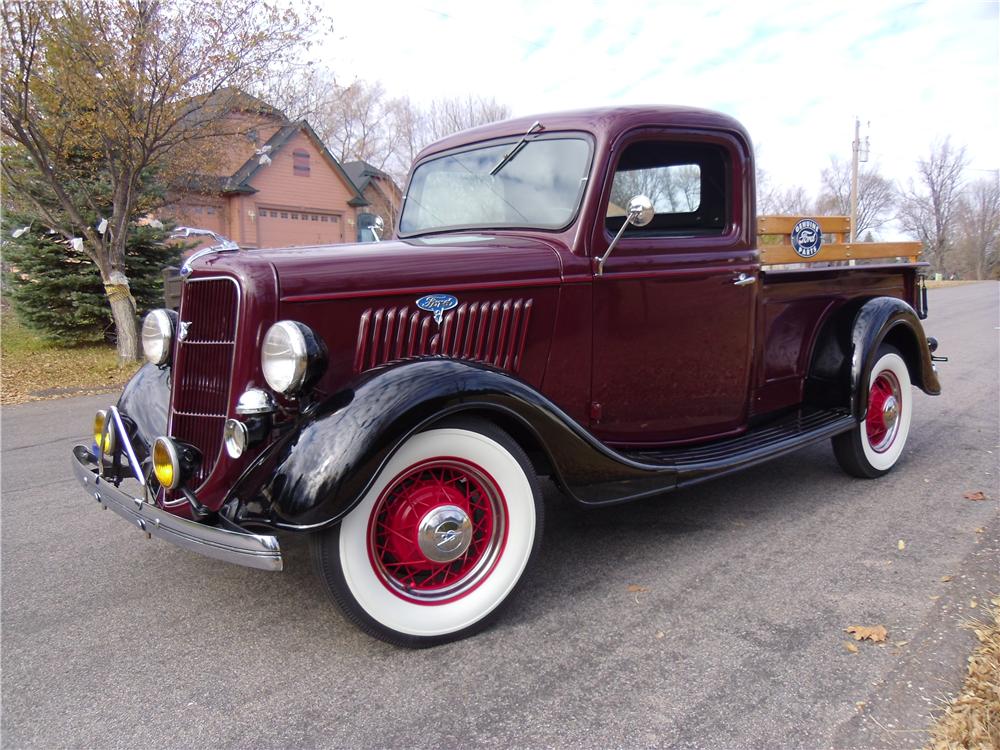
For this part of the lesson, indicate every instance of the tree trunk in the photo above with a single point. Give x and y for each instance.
(124, 315)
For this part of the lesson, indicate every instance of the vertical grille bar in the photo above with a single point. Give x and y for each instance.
(490, 332)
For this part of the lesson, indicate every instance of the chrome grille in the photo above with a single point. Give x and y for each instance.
(203, 367)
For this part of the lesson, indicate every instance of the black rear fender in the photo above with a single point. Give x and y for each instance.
(848, 345)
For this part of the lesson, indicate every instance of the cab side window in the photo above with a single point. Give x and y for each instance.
(688, 184)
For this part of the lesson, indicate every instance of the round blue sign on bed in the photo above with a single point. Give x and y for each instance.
(807, 238)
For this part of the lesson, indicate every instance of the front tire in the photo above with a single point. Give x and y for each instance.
(873, 448)
(440, 541)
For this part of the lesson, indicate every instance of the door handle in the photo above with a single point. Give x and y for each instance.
(744, 280)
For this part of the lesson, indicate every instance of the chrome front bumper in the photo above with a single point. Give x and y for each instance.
(242, 548)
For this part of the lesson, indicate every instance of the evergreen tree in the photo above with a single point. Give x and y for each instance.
(57, 290)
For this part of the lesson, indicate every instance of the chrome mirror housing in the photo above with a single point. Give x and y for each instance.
(640, 213)
(377, 227)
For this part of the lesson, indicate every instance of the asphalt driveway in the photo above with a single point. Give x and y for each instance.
(736, 640)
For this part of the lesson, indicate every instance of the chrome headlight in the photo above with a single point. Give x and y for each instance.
(158, 335)
(235, 437)
(291, 356)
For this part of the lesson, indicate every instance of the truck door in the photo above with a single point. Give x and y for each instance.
(674, 308)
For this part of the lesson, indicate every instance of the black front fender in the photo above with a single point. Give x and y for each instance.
(146, 402)
(335, 456)
(892, 321)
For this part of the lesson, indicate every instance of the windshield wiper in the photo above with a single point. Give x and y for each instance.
(514, 151)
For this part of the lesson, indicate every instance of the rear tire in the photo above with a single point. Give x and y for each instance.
(872, 448)
(440, 542)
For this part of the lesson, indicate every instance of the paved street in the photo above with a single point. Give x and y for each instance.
(112, 641)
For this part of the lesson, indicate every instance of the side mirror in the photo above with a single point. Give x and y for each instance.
(640, 213)
(377, 227)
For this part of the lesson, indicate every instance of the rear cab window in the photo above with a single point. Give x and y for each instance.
(689, 184)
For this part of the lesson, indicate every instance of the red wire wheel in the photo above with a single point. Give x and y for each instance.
(437, 530)
(884, 411)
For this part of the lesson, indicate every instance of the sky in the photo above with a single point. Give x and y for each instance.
(795, 73)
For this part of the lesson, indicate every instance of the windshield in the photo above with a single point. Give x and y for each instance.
(540, 189)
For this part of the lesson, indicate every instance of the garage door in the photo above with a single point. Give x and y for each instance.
(281, 227)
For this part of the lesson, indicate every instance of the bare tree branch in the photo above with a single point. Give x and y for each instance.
(929, 205)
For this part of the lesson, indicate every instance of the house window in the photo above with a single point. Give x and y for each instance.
(323, 218)
(314, 217)
(210, 209)
(295, 216)
(300, 163)
(284, 215)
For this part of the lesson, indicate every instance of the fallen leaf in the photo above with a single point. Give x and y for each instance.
(900, 644)
(660, 634)
(635, 588)
(875, 633)
(974, 495)
(850, 647)
(945, 579)
(859, 705)
(935, 597)
(973, 604)
(981, 530)
(901, 545)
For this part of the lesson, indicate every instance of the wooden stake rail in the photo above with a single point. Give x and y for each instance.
(778, 250)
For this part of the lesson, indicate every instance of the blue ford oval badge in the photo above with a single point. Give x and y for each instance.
(807, 238)
(438, 304)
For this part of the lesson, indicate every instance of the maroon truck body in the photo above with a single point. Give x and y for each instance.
(658, 371)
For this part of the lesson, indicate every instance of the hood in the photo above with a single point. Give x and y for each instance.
(416, 264)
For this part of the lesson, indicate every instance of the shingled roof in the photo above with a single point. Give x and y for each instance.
(240, 181)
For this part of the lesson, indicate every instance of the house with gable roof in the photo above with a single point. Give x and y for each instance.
(276, 185)
(380, 190)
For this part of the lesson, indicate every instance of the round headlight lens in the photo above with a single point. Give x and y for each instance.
(166, 463)
(157, 335)
(284, 356)
(103, 440)
(235, 438)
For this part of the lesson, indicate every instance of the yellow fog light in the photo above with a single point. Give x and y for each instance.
(105, 441)
(166, 463)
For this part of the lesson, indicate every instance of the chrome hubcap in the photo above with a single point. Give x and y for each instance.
(890, 412)
(445, 533)
(885, 409)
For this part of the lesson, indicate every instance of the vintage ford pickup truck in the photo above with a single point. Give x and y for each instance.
(582, 296)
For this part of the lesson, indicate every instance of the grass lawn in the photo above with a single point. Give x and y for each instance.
(32, 369)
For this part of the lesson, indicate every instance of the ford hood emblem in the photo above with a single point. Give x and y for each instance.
(438, 304)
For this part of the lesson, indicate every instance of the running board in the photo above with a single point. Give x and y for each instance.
(786, 434)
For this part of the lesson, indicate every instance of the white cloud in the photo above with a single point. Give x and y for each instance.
(795, 72)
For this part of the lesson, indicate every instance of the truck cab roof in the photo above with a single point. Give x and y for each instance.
(602, 122)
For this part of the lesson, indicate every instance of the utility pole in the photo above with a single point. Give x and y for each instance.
(860, 154)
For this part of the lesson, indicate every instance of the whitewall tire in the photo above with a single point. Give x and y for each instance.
(440, 541)
(874, 446)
